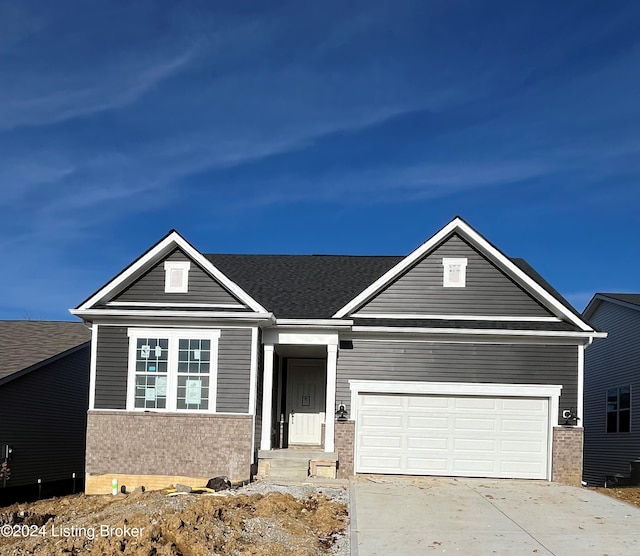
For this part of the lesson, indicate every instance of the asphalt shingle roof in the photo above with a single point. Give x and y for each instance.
(303, 286)
(25, 343)
(316, 286)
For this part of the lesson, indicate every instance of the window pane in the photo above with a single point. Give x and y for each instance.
(624, 421)
(625, 397)
(152, 355)
(193, 393)
(612, 422)
(150, 392)
(194, 359)
(612, 399)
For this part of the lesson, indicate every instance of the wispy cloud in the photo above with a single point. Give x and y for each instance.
(52, 98)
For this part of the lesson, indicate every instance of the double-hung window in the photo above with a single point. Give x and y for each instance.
(172, 369)
(619, 409)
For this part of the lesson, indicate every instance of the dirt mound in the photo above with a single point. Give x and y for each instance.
(154, 524)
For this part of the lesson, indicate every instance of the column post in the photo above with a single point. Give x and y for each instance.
(330, 407)
(267, 398)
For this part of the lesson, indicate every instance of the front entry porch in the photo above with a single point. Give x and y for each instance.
(297, 434)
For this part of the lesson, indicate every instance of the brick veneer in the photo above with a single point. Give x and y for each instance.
(567, 455)
(169, 444)
(344, 442)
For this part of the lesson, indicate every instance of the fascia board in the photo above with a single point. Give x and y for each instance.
(315, 323)
(476, 332)
(226, 315)
(591, 307)
(600, 297)
(156, 253)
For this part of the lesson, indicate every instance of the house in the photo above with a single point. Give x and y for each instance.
(452, 360)
(612, 384)
(44, 388)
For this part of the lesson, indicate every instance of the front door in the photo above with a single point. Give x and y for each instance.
(306, 400)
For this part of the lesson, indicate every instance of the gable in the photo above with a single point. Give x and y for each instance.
(203, 289)
(140, 287)
(488, 290)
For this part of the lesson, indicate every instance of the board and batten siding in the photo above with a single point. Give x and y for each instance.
(609, 363)
(488, 291)
(202, 287)
(234, 369)
(459, 362)
(43, 416)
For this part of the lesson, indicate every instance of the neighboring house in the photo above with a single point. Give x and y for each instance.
(453, 360)
(612, 387)
(44, 388)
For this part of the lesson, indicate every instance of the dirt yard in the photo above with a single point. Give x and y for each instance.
(626, 494)
(254, 520)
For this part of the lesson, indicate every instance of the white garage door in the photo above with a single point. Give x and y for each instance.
(467, 436)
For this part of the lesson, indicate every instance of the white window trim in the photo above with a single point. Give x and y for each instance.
(173, 335)
(447, 263)
(169, 267)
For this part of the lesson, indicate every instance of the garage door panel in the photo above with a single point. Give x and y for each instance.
(525, 447)
(469, 466)
(414, 443)
(523, 425)
(427, 402)
(381, 462)
(380, 402)
(417, 466)
(422, 423)
(474, 404)
(369, 441)
(523, 405)
(473, 444)
(452, 435)
(375, 421)
(477, 424)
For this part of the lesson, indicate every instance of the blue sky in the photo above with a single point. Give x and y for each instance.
(315, 127)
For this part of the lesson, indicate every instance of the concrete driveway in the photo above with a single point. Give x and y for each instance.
(428, 515)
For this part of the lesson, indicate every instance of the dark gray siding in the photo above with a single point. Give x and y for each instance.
(43, 415)
(611, 362)
(488, 290)
(112, 367)
(234, 370)
(202, 287)
(457, 362)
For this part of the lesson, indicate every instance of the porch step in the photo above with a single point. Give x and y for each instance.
(289, 465)
(296, 454)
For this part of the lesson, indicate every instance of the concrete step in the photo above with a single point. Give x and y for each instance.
(289, 464)
(287, 475)
(296, 454)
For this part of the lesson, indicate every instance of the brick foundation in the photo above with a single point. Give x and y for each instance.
(567, 455)
(168, 444)
(344, 443)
